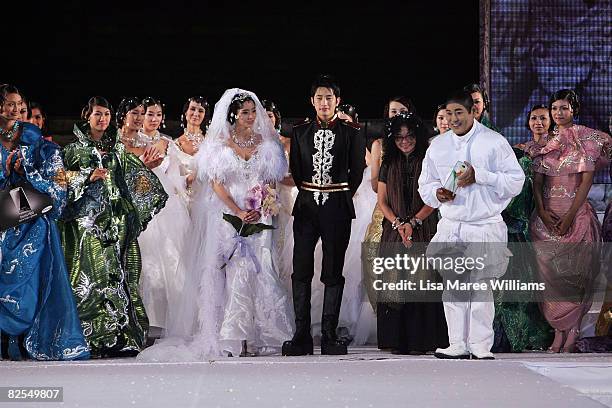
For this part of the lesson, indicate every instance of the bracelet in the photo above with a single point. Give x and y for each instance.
(416, 222)
(395, 224)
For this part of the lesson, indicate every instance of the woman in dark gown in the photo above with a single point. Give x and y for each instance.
(408, 326)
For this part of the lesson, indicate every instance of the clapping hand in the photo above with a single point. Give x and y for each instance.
(17, 166)
(98, 174)
(152, 157)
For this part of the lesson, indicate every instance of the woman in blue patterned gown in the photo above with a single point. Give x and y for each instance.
(38, 314)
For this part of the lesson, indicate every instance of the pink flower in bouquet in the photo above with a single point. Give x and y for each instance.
(254, 198)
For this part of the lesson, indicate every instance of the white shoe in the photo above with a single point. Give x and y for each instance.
(481, 354)
(454, 351)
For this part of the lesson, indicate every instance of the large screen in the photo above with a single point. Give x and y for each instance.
(540, 46)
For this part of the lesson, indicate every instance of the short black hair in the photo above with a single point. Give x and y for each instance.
(325, 81)
(126, 105)
(463, 97)
(539, 106)
(566, 94)
(95, 101)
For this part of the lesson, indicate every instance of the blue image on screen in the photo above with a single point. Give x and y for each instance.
(541, 46)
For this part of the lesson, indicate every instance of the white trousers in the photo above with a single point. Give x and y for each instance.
(469, 316)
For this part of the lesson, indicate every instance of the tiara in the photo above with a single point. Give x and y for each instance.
(241, 97)
(403, 115)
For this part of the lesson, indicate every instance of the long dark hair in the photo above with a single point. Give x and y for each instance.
(415, 127)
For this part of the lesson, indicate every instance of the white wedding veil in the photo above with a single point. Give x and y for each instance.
(195, 314)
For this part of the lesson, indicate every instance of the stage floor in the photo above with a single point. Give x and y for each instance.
(366, 377)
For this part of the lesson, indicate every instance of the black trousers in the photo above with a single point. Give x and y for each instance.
(334, 233)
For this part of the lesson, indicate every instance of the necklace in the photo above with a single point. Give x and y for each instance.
(195, 138)
(146, 140)
(129, 141)
(105, 143)
(9, 134)
(243, 144)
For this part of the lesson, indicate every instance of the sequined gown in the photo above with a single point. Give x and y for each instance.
(520, 326)
(568, 264)
(102, 222)
(37, 309)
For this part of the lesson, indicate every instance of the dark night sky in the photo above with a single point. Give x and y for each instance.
(170, 51)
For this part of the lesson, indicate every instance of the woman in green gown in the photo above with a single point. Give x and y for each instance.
(111, 198)
(520, 325)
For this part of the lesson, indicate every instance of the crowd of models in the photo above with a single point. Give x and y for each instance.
(209, 243)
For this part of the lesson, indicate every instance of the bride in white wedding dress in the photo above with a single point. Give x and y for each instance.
(232, 302)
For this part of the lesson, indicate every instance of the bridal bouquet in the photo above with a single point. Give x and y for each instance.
(262, 198)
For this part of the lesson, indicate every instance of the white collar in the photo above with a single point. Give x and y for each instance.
(459, 140)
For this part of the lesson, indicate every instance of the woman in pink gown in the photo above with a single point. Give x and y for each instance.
(564, 228)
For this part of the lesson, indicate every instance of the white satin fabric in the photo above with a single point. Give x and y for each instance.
(284, 232)
(222, 301)
(162, 242)
(186, 166)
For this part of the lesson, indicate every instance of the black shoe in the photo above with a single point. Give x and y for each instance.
(451, 357)
(333, 347)
(301, 343)
(330, 343)
(474, 357)
(298, 347)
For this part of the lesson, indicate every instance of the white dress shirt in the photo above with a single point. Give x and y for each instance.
(499, 177)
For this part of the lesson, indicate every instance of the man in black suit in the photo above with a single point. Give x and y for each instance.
(327, 160)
